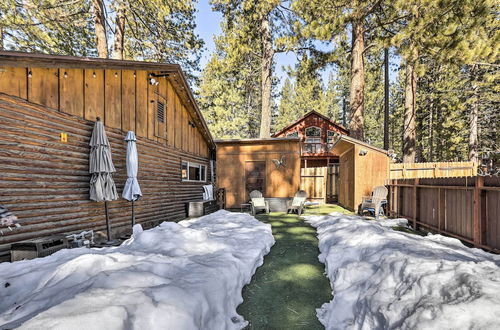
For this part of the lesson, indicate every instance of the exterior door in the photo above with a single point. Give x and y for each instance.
(255, 177)
(332, 183)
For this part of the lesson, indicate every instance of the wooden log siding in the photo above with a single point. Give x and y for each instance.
(45, 182)
(465, 208)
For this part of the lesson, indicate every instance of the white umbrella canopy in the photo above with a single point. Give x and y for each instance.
(132, 190)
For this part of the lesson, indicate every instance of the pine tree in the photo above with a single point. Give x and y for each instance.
(330, 20)
(48, 26)
(286, 109)
(446, 31)
(143, 30)
(229, 91)
(333, 99)
(270, 21)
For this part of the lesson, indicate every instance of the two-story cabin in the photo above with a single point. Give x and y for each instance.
(317, 134)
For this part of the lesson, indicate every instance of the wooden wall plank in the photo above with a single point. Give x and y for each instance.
(71, 91)
(94, 94)
(14, 81)
(151, 111)
(170, 114)
(128, 100)
(178, 121)
(113, 99)
(141, 105)
(43, 87)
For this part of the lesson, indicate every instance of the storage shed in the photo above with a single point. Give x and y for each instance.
(271, 166)
(45, 179)
(362, 167)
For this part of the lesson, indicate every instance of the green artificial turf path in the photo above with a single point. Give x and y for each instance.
(286, 290)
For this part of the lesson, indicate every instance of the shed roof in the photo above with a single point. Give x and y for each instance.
(345, 142)
(256, 141)
(177, 77)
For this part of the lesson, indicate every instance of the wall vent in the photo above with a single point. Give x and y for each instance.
(160, 112)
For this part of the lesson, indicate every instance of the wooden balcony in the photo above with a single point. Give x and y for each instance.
(317, 149)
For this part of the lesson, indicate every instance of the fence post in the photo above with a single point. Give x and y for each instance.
(415, 203)
(478, 226)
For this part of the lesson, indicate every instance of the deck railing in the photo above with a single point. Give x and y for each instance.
(316, 148)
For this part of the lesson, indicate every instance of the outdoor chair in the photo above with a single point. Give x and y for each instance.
(257, 202)
(374, 202)
(298, 202)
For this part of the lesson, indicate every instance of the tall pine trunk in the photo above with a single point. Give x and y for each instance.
(357, 88)
(267, 63)
(386, 98)
(473, 131)
(119, 31)
(409, 122)
(431, 131)
(100, 28)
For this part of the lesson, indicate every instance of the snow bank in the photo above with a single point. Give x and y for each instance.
(186, 275)
(383, 278)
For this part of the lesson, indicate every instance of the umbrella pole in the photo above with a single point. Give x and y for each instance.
(108, 223)
(133, 214)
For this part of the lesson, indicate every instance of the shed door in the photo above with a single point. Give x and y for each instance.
(255, 177)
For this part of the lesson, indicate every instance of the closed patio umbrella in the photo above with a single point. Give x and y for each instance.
(102, 186)
(132, 190)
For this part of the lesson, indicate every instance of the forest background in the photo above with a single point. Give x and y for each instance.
(442, 103)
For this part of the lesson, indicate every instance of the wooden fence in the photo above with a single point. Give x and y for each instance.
(466, 208)
(432, 170)
(320, 183)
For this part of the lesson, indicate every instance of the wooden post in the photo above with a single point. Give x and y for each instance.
(478, 225)
(325, 188)
(415, 203)
(442, 210)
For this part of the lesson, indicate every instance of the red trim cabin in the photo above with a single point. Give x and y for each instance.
(317, 134)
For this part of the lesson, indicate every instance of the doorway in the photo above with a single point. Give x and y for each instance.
(255, 177)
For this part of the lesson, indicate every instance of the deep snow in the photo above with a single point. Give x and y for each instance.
(386, 279)
(186, 275)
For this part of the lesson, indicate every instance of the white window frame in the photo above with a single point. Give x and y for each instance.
(329, 138)
(194, 165)
(293, 134)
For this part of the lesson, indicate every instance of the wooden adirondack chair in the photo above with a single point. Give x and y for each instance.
(257, 202)
(374, 202)
(298, 202)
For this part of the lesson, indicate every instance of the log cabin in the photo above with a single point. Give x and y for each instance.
(48, 106)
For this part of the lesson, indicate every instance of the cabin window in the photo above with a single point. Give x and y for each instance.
(330, 136)
(313, 134)
(293, 135)
(160, 112)
(193, 172)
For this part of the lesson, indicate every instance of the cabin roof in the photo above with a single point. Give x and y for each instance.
(346, 142)
(22, 59)
(310, 113)
(255, 141)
